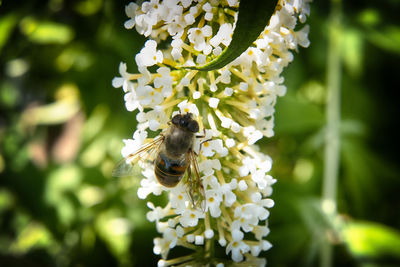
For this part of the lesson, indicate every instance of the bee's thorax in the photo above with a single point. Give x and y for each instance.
(178, 141)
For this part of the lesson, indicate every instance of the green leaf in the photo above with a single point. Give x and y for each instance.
(252, 18)
(387, 38)
(7, 24)
(46, 32)
(367, 239)
(352, 51)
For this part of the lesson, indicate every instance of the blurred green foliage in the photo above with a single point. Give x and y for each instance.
(62, 125)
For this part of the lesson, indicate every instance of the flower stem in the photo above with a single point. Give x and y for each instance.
(332, 136)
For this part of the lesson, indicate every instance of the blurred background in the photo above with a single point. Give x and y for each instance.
(62, 125)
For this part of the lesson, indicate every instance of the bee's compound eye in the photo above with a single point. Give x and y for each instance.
(183, 122)
(176, 119)
(193, 126)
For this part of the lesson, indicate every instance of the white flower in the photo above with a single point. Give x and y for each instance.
(228, 91)
(210, 147)
(199, 240)
(261, 231)
(213, 102)
(164, 82)
(229, 196)
(149, 55)
(172, 235)
(225, 77)
(156, 214)
(224, 35)
(190, 217)
(247, 217)
(131, 101)
(176, 48)
(130, 11)
(186, 107)
(208, 166)
(132, 145)
(213, 200)
(124, 80)
(237, 246)
(148, 96)
(161, 247)
(197, 37)
(149, 185)
(252, 134)
(208, 8)
(153, 118)
(234, 107)
(179, 199)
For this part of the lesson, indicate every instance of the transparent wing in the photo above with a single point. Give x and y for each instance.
(125, 166)
(196, 188)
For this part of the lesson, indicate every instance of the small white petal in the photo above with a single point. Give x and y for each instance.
(208, 16)
(190, 238)
(207, 7)
(213, 87)
(199, 240)
(235, 127)
(217, 51)
(228, 91)
(237, 235)
(229, 142)
(209, 233)
(242, 185)
(154, 125)
(201, 59)
(243, 86)
(196, 95)
(222, 242)
(213, 102)
(185, 81)
(162, 263)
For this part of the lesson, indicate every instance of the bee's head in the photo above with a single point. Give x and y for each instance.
(186, 122)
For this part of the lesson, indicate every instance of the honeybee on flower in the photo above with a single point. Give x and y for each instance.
(173, 157)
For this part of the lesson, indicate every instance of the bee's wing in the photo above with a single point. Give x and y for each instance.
(125, 166)
(196, 188)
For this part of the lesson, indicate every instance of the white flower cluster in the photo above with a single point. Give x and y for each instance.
(234, 105)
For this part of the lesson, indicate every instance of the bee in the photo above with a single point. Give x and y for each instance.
(174, 156)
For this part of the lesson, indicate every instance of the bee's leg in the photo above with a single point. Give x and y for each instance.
(190, 182)
(202, 136)
(202, 144)
(203, 193)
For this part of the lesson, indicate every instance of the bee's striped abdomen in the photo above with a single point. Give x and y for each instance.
(169, 172)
